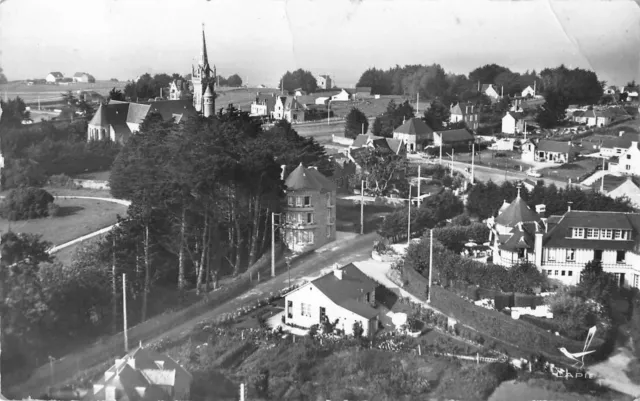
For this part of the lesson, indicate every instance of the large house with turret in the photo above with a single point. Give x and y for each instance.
(561, 245)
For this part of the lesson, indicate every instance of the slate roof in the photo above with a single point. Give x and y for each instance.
(459, 109)
(394, 144)
(517, 212)
(623, 141)
(57, 74)
(516, 115)
(268, 100)
(556, 237)
(456, 135)
(362, 140)
(345, 291)
(415, 126)
(522, 236)
(308, 178)
(100, 118)
(172, 108)
(554, 146)
(487, 86)
(363, 89)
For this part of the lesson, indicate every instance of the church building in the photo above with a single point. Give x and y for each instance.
(203, 81)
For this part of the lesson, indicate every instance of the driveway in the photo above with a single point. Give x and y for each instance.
(341, 253)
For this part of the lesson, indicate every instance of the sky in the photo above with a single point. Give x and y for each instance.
(261, 39)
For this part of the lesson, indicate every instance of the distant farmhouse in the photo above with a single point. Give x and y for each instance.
(324, 82)
(464, 112)
(83, 77)
(54, 77)
(491, 91)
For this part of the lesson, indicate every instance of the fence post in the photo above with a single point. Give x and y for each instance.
(478, 358)
(419, 350)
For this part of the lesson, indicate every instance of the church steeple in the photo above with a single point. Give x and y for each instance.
(204, 59)
(201, 76)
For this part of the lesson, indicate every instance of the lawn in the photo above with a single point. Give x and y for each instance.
(510, 160)
(97, 193)
(574, 170)
(78, 217)
(370, 107)
(31, 93)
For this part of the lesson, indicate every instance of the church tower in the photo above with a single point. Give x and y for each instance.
(208, 102)
(201, 78)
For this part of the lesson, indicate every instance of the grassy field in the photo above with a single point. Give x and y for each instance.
(31, 93)
(510, 161)
(370, 107)
(79, 217)
(572, 170)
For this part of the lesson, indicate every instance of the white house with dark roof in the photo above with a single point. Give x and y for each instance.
(627, 189)
(288, 108)
(343, 96)
(453, 137)
(627, 163)
(491, 91)
(310, 212)
(528, 91)
(513, 122)
(617, 146)
(597, 118)
(414, 133)
(344, 296)
(465, 112)
(264, 105)
(118, 120)
(54, 77)
(83, 77)
(368, 140)
(143, 375)
(548, 151)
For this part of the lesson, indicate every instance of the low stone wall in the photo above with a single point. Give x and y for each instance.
(383, 257)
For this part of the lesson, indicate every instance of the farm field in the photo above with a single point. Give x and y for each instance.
(30, 93)
(78, 217)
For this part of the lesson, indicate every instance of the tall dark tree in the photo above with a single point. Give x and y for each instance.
(234, 81)
(356, 123)
(298, 79)
(116, 94)
(437, 115)
(3, 78)
(14, 111)
(486, 74)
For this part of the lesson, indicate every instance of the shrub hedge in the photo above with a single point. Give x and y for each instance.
(26, 203)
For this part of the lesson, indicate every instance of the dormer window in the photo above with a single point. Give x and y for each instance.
(593, 233)
(606, 233)
(578, 232)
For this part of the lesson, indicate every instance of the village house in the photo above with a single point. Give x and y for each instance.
(617, 146)
(627, 189)
(117, 120)
(414, 133)
(178, 89)
(343, 96)
(513, 122)
(310, 213)
(528, 91)
(628, 163)
(454, 137)
(631, 91)
(298, 92)
(324, 82)
(288, 108)
(143, 375)
(83, 77)
(464, 112)
(596, 118)
(560, 246)
(503, 144)
(264, 105)
(344, 296)
(548, 151)
(491, 91)
(54, 77)
(397, 146)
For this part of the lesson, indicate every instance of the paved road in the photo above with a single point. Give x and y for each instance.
(342, 253)
(483, 173)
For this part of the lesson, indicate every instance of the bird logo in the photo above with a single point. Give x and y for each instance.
(578, 357)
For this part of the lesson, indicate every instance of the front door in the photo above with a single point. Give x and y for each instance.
(323, 314)
(597, 254)
(290, 309)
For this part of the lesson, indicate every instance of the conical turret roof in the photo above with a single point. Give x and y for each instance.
(100, 118)
(517, 212)
(308, 178)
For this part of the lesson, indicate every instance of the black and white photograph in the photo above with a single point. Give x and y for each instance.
(320, 200)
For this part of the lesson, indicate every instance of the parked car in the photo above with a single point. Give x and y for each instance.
(533, 173)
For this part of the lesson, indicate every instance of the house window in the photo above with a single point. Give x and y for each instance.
(570, 273)
(636, 280)
(617, 234)
(628, 167)
(571, 256)
(311, 238)
(618, 151)
(298, 200)
(563, 272)
(620, 256)
(328, 232)
(629, 157)
(625, 234)
(290, 200)
(367, 297)
(593, 233)
(309, 218)
(555, 273)
(305, 309)
(307, 200)
(578, 233)
(551, 256)
(606, 233)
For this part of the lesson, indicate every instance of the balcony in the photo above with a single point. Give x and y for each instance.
(301, 226)
(301, 208)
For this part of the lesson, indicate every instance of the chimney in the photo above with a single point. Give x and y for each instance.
(634, 144)
(537, 249)
(541, 208)
(338, 273)
(284, 167)
(569, 206)
(620, 133)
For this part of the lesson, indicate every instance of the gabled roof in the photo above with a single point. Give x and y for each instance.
(100, 118)
(79, 74)
(415, 126)
(308, 178)
(346, 291)
(394, 144)
(515, 114)
(459, 108)
(546, 145)
(522, 236)
(363, 89)
(171, 108)
(456, 135)
(623, 141)
(517, 212)
(558, 236)
(487, 86)
(57, 74)
(362, 139)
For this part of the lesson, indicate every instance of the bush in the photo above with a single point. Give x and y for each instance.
(26, 203)
(53, 210)
(357, 329)
(61, 181)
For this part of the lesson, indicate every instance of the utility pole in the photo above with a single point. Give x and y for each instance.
(451, 171)
(328, 112)
(418, 105)
(409, 219)
(419, 181)
(603, 174)
(430, 265)
(362, 207)
(114, 285)
(124, 311)
(440, 149)
(362, 128)
(273, 245)
(473, 153)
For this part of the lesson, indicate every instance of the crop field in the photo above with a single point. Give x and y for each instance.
(31, 93)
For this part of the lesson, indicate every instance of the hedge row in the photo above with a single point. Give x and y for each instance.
(500, 326)
(501, 299)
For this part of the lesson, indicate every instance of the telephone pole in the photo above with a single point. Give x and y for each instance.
(362, 207)
(430, 265)
(124, 311)
(409, 219)
(473, 153)
(419, 181)
(273, 244)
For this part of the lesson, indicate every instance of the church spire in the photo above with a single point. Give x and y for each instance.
(204, 59)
